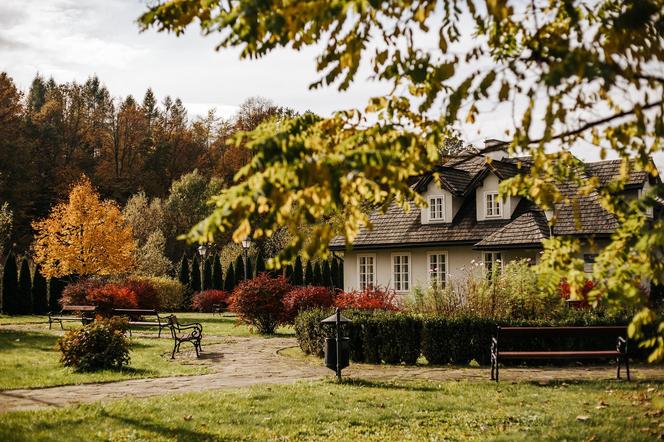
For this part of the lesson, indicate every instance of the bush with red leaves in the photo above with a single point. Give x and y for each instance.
(206, 300)
(76, 293)
(304, 298)
(373, 298)
(259, 302)
(566, 292)
(111, 296)
(146, 294)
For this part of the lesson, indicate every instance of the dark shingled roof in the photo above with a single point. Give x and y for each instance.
(527, 227)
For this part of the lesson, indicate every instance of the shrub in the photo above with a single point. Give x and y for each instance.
(76, 293)
(373, 298)
(304, 298)
(204, 301)
(146, 294)
(259, 302)
(111, 296)
(96, 346)
(310, 332)
(170, 292)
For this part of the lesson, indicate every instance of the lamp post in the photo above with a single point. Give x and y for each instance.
(337, 349)
(246, 243)
(203, 250)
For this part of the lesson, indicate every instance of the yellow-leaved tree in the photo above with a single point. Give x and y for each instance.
(83, 236)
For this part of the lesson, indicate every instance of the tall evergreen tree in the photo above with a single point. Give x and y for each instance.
(334, 273)
(288, 273)
(184, 273)
(207, 274)
(239, 269)
(298, 273)
(260, 265)
(318, 275)
(250, 268)
(55, 288)
(195, 275)
(326, 274)
(309, 274)
(340, 280)
(217, 273)
(229, 281)
(39, 293)
(25, 289)
(10, 304)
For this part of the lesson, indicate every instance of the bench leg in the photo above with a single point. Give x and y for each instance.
(197, 345)
(497, 370)
(49, 323)
(175, 346)
(618, 363)
(493, 365)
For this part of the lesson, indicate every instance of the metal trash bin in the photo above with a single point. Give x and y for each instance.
(331, 353)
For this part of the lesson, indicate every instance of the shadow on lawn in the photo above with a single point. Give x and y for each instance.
(12, 339)
(177, 433)
(386, 385)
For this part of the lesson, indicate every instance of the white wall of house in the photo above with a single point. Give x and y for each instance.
(460, 261)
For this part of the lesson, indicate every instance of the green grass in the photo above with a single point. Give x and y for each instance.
(361, 411)
(23, 319)
(30, 359)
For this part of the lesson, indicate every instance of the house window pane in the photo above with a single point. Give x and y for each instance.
(401, 272)
(438, 269)
(366, 271)
(588, 262)
(492, 204)
(493, 261)
(437, 208)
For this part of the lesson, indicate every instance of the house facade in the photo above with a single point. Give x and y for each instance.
(467, 227)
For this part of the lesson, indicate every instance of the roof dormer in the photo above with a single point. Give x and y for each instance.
(489, 205)
(441, 204)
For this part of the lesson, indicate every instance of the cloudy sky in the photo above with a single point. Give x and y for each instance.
(74, 39)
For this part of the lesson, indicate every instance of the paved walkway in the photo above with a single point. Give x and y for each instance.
(245, 361)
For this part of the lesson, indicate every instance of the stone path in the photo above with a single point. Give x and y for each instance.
(246, 361)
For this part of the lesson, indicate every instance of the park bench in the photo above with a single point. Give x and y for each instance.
(611, 343)
(180, 333)
(83, 313)
(136, 318)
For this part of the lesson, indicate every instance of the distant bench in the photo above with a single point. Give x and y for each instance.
(83, 313)
(136, 317)
(508, 336)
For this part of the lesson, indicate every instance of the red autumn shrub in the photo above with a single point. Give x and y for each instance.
(304, 298)
(259, 302)
(206, 300)
(76, 293)
(146, 294)
(111, 296)
(373, 298)
(566, 293)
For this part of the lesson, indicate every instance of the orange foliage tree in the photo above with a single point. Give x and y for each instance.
(83, 236)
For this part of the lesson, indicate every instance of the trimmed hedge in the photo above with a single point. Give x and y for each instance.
(396, 337)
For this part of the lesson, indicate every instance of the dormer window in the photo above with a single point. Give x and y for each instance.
(492, 205)
(437, 208)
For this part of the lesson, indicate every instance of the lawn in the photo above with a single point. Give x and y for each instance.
(29, 358)
(363, 410)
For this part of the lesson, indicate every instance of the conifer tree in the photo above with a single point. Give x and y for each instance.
(288, 273)
(39, 293)
(260, 265)
(195, 275)
(55, 287)
(334, 273)
(318, 277)
(250, 268)
(239, 269)
(184, 273)
(298, 273)
(229, 281)
(217, 273)
(10, 286)
(309, 274)
(340, 280)
(326, 274)
(207, 275)
(25, 289)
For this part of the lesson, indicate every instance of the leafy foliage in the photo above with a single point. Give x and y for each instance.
(170, 291)
(84, 236)
(100, 345)
(147, 296)
(304, 298)
(259, 302)
(76, 293)
(591, 69)
(111, 296)
(206, 300)
(374, 298)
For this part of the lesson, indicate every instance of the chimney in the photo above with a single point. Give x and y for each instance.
(498, 154)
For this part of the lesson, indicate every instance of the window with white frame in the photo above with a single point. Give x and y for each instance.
(401, 272)
(437, 268)
(366, 271)
(589, 262)
(437, 208)
(492, 205)
(649, 210)
(493, 260)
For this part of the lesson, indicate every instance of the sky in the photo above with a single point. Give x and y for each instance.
(75, 39)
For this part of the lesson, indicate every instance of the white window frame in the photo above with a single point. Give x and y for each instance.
(589, 262)
(494, 259)
(399, 287)
(442, 208)
(649, 210)
(373, 275)
(443, 281)
(497, 207)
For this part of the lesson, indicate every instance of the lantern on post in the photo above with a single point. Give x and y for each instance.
(337, 349)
